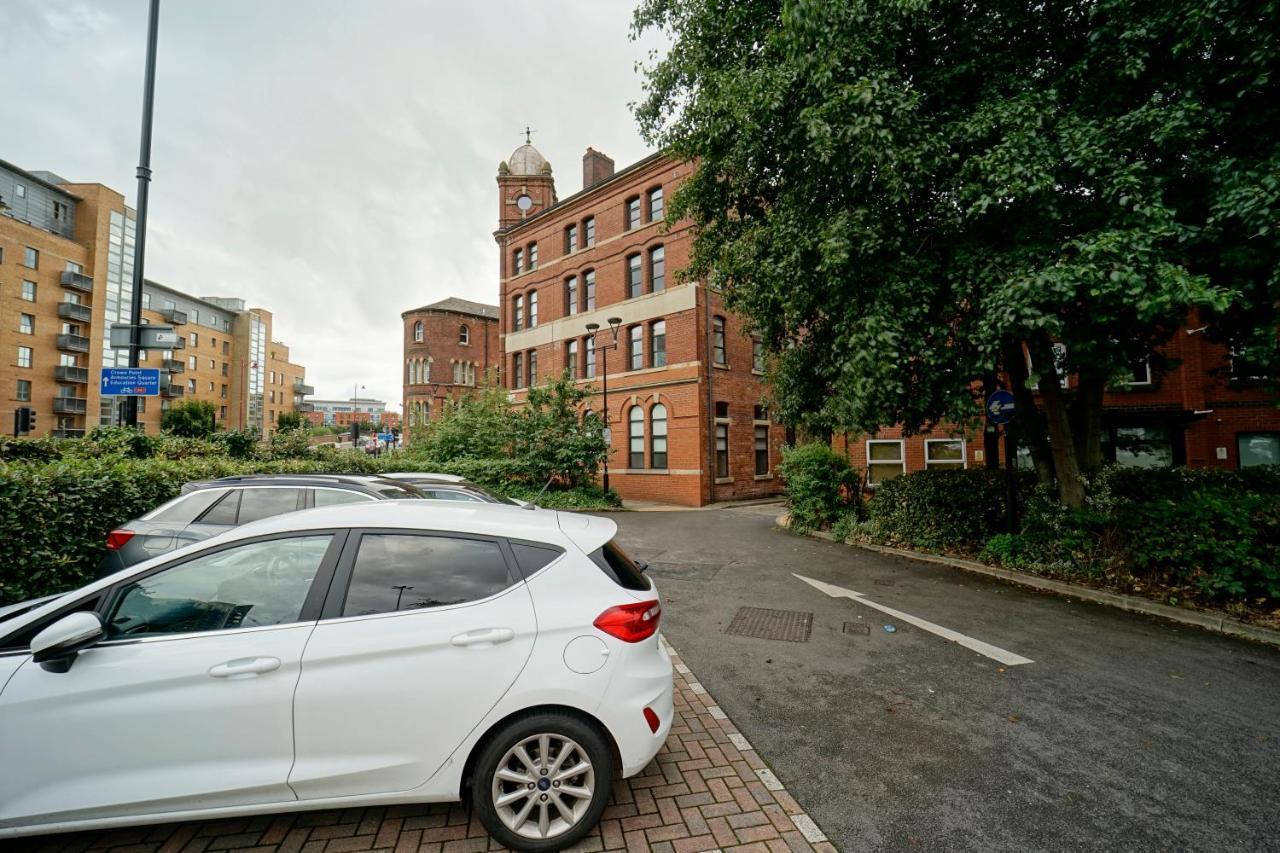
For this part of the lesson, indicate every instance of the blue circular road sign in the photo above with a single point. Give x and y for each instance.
(1000, 407)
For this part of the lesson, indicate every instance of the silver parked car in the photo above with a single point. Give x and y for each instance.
(209, 507)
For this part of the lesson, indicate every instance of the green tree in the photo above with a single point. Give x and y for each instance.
(553, 438)
(478, 425)
(903, 195)
(289, 420)
(192, 419)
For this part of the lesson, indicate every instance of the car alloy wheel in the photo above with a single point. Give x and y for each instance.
(542, 782)
(543, 786)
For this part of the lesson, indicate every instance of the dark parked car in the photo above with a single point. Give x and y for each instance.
(209, 507)
(448, 487)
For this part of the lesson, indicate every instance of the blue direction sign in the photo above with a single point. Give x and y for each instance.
(385, 436)
(1000, 407)
(130, 381)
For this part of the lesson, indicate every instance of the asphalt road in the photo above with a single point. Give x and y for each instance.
(1124, 733)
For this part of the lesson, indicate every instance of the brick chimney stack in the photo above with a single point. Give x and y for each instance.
(596, 166)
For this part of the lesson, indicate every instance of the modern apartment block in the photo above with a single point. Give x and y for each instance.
(66, 272)
(685, 379)
(449, 348)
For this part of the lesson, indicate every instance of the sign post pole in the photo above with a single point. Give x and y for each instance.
(1000, 410)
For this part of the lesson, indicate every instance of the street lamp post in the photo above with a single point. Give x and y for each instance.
(615, 323)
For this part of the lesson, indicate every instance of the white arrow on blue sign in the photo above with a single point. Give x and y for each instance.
(131, 381)
(1000, 406)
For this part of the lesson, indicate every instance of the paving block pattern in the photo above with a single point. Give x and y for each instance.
(707, 790)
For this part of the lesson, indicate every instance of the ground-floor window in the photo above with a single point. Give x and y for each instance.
(1258, 448)
(635, 437)
(1143, 446)
(944, 453)
(722, 451)
(885, 460)
(762, 450)
(658, 436)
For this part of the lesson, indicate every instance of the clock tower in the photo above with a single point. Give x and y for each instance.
(525, 184)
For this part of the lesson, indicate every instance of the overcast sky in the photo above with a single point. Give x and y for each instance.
(331, 161)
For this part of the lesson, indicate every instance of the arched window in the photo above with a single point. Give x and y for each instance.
(426, 370)
(658, 436)
(417, 332)
(464, 335)
(635, 437)
(408, 372)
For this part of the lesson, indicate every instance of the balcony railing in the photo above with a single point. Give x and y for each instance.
(73, 343)
(69, 405)
(75, 311)
(76, 281)
(68, 373)
(306, 407)
(173, 365)
(172, 390)
(174, 316)
(303, 389)
(68, 433)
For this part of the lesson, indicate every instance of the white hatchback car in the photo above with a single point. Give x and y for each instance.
(390, 652)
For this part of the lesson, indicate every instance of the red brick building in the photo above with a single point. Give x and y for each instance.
(1203, 409)
(449, 346)
(684, 377)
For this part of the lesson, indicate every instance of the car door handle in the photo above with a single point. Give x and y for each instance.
(484, 637)
(244, 667)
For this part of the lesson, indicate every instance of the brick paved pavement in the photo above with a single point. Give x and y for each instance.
(706, 790)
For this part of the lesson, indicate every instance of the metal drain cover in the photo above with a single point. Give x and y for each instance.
(792, 626)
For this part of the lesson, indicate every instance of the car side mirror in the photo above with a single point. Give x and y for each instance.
(55, 648)
(642, 565)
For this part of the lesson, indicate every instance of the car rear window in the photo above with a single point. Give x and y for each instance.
(615, 563)
(266, 502)
(186, 508)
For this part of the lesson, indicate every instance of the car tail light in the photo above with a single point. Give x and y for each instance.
(630, 623)
(116, 539)
(652, 719)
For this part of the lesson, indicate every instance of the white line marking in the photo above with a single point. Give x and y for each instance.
(994, 652)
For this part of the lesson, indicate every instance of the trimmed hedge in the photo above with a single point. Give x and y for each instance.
(1191, 533)
(941, 510)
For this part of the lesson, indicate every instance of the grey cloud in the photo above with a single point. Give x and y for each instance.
(331, 161)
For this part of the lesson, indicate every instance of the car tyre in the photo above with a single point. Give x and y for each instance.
(542, 781)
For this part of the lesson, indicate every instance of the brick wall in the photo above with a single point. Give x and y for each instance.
(442, 347)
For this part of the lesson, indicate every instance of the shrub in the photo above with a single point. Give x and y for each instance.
(821, 485)
(941, 509)
(289, 420)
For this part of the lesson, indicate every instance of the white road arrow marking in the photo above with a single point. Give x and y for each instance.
(994, 652)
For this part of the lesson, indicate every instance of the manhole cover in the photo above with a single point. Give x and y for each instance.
(684, 571)
(792, 626)
(857, 628)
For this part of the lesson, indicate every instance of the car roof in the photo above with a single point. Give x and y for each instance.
(362, 482)
(426, 475)
(481, 519)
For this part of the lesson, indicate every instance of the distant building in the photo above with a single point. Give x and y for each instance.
(449, 347)
(66, 276)
(366, 410)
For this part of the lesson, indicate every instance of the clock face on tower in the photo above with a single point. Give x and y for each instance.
(524, 202)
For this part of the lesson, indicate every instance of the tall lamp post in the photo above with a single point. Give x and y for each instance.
(144, 182)
(615, 323)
